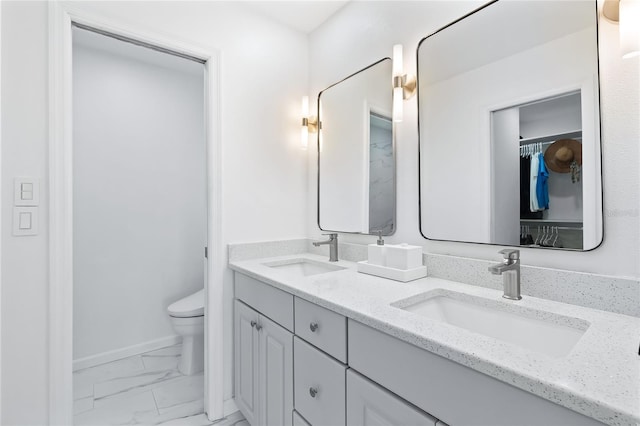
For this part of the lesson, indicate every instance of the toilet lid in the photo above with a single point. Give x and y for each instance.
(190, 306)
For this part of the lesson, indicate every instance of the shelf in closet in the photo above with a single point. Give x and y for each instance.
(575, 134)
(550, 222)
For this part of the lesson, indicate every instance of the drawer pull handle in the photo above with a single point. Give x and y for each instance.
(313, 327)
(313, 392)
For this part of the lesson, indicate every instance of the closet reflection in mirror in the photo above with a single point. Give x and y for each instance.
(509, 127)
(549, 135)
(356, 165)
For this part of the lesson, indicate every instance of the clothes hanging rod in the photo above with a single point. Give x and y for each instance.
(565, 228)
(532, 143)
(138, 43)
(576, 134)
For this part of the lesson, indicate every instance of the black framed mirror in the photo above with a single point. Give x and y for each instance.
(356, 159)
(509, 127)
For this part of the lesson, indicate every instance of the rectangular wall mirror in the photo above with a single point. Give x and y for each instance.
(356, 162)
(509, 125)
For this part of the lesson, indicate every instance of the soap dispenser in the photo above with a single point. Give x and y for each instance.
(377, 252)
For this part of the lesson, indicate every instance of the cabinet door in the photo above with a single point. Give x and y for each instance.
(246, 361)
(276, 374)
(370, 405)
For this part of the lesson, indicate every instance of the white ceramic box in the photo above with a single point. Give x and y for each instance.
(403, 256)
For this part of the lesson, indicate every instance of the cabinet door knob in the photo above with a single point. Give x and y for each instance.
(258, 327)
(253, 324)
(313, 392)
(313, 326)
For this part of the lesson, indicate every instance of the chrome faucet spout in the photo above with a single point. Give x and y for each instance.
(499, 268)
(333, 246)
(509, 268)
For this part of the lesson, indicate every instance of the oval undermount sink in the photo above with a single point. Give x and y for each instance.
(544, 332)
(303, 267)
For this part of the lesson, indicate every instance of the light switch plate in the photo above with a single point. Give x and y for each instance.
(26, 191)
(25, 221)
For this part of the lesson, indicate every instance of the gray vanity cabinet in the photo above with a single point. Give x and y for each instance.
(371, 405)
(338, 371)
(263, 368)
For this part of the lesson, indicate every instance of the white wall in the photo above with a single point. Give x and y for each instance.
(24, 259)
(264, 73)
(362, 32)
(139, 192)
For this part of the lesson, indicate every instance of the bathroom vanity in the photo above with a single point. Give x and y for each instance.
(318, 345)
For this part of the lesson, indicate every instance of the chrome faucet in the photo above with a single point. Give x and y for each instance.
(333, 246)
(510, 271)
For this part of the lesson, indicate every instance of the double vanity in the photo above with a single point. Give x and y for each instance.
(317, 343)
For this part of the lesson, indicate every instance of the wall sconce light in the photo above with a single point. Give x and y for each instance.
(404, 86)
(309, 123)
(627, 14)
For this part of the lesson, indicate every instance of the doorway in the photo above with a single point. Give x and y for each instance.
(63, 18)
(140, 228)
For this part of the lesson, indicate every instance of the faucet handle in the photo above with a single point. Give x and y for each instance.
(510, 254)
(331, 234)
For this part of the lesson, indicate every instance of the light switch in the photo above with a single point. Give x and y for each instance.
(25, 221)
(26, 191)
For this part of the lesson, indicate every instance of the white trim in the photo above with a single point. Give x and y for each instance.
(214, 308)
(61, 220)
(230, 407)
(0, 216)
(116, 354)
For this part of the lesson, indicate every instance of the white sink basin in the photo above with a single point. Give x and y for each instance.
(544, 332)
(303, 267)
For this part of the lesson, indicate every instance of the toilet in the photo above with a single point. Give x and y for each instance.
(187, 318)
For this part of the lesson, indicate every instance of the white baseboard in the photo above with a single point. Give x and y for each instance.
(229, 407)
(114, 355)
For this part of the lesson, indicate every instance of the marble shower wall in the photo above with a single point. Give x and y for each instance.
(381, 173)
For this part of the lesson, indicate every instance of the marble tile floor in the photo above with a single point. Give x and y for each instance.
(144, 389)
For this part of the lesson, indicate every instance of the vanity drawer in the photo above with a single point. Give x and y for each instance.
(298, 420)
(322, 328)
(447, 390)
(369, 404)
(319, 385)
(269, 301)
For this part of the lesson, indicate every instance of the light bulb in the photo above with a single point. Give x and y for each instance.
(397, 104)
(397, 60)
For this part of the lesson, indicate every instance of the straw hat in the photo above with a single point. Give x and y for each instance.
(560, 154)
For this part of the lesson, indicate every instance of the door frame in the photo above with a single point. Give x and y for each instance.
(61, 19)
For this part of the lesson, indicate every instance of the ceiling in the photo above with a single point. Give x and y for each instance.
(301, 15)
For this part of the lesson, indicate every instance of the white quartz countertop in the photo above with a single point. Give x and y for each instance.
(599, 378)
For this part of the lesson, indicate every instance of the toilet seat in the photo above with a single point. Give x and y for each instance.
(188, 307)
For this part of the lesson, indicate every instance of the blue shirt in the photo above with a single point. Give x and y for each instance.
(542, 187)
